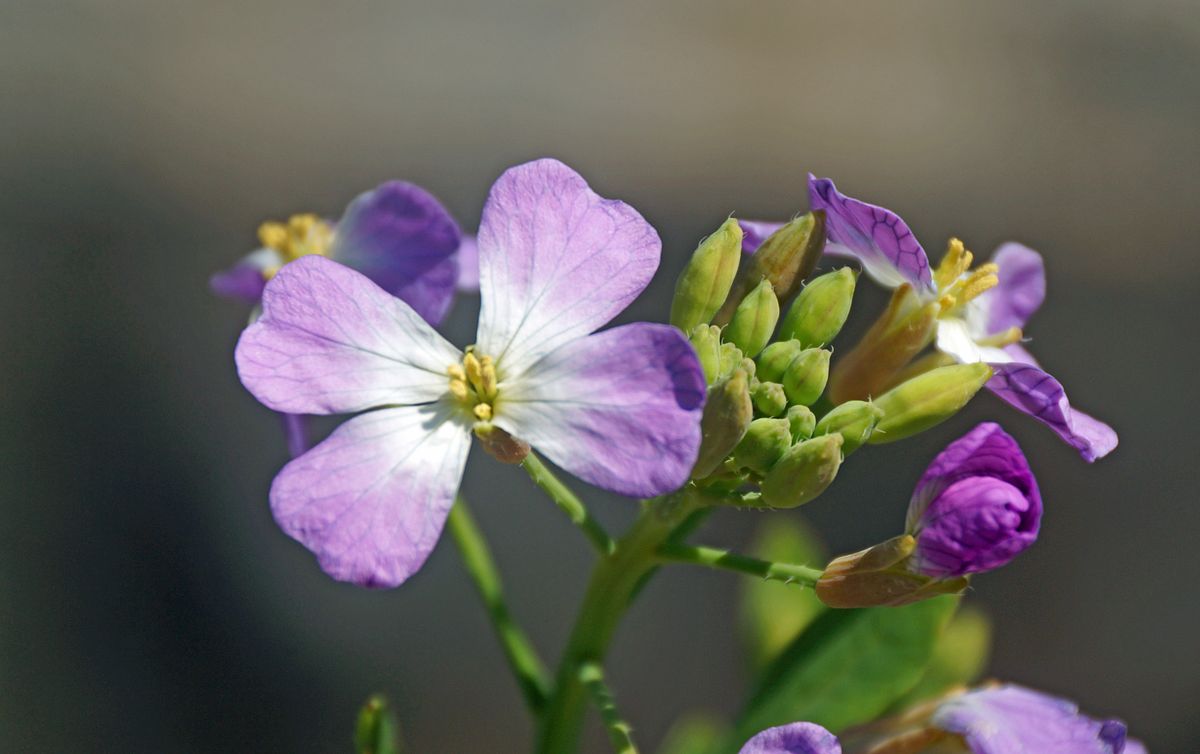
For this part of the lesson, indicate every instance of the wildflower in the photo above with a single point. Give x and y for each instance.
(619, 409)
(795, 738)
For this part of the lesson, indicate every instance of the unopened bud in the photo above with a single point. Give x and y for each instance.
(802, 421)
(803, 472)
(705, 281)
(818, 313)
(763, 444)
(769, 398)
(805, 378)
(499, 444)
(706, 339)
(775, 359)
(853, 420)
(376, 730)
(879, 576)
(785, 259)
(754, 320)
(731, 358)
(904, 329)
(927, 400)
(727, 414)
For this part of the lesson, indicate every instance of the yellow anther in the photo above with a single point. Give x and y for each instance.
(947, 302)
(956, 261)
(1003, 338)
(474, 368)
(458, 389)
(980, 280)
(273, 236)
(456, 372)
(482, 411)
(487, 377)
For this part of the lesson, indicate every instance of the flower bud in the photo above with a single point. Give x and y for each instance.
(727, 414)
(879, 576)
(785, 259)
(769, 398)
(775, 358)
(705, 281)
(803, 472)
(376, 731)
(754, 320)
(706, 339)
(818, 313)
(499, 444)
(802, 422)
(927, 400)
(731, 358)
(764, 443)
(805, 378)
(853, 420)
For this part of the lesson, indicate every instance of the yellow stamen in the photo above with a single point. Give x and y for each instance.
(956, 261)
(1001, 339)
(980, 280)
(273, 236)
(456, 372)
(482, 411)
(487, 377)
(473, 367)
(458, 389)
(947, 302)
(302, 235)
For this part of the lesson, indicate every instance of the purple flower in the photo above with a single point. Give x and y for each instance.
(794, 738)
(1014, 720)
(975, 508)
(619, 408)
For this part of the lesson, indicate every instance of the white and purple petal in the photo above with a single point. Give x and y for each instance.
(619, 409)
(1015, 720)
(402, 238)
(1032, 391)
(877, 237)
(556, 262)
(244, 281)
(370, 501)
(330, 341)
(794, 738)
(468, 265)
(1021, 290)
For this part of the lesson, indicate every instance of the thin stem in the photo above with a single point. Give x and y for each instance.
(620, 733)
(715, 558)
(570, 504)
(518, 650)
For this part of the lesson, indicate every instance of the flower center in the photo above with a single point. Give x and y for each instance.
(957, 283)
(300, 236)
(473, 383)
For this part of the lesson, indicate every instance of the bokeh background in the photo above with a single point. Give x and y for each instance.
(148, 602)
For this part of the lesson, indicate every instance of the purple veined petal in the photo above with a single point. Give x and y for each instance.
(877, 237)
(370, 500)
(556, 262)
(619, 409)
(244, 281)
(1015, 720)
(403, 239)
(1032, 391)
(468, 264)
(330, 341)
(1021, 289)
(794, 738)
(985, 451)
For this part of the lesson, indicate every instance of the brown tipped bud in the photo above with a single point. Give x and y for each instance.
(501, 445)
(879, 576)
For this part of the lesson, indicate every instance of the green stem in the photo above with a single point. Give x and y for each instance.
(615, 580)
(518, 650)
(714, 558)
(570, 504)
(620, 733)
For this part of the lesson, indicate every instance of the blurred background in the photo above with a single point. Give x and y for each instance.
(149, 603)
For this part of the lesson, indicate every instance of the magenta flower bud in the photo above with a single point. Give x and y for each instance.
(976, 507)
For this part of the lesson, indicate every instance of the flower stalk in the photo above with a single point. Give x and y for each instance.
(569, 503)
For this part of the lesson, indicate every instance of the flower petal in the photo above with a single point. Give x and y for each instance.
(556, 261)
(1036, 393)
(877, 237)
(1015, 720)
(620, 409)
(954, 337)
(468, 264)
(370, 500)
(330, 341)
(795, 738)
(244, 281)
(402, 238)
(1021, 289)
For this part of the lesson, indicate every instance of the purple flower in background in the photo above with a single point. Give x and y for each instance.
(975, 508)
(794, 738)
(619, 409)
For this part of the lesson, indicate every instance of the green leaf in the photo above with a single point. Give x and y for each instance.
(847, 668)
(376, 731)
(773, 613)
(959, 657)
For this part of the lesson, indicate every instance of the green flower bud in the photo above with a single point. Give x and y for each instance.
(706, 339)
(803, 472)
(376, 731)
(818, 313)
(785, 259)
(754, 320)
(705, 281)
(731, 358)
(763, 444)
(775, 359)
(769, 398)
(853, 420)
(726, 416)
(802, 421)
(805, 378)
(879, 576)
(927, 400)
